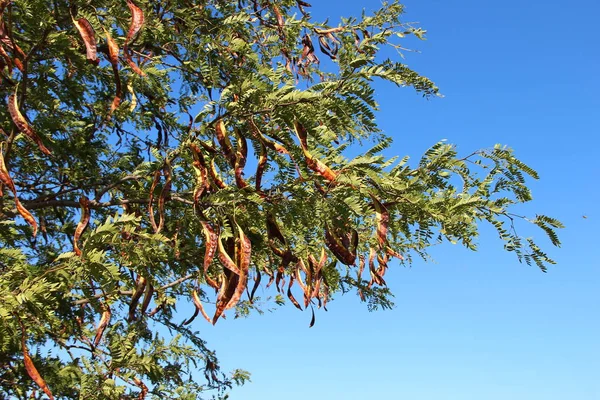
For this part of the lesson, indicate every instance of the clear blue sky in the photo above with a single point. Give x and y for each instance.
(470, 326)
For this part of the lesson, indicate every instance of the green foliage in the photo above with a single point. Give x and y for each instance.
(212, 154)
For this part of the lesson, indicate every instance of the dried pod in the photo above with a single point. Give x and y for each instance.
(291, 296)
(240, 160)
(83, 223)
(215, 176)
(104, 320)
(137, 21)
(226, 259)
(164, 193)
(210, 244)
(143, 388)
(257, 279)
(260, 168)
(89, 38)
(244, 254)
(113, 57)
(228, 286)
(383, 219)
(151, 200)
(224, 142)
(313, 163)
(22, 125)
(273, 231)
(7, 181)
(31, 369)
(140, 285)
(199, 308)
(338, 250)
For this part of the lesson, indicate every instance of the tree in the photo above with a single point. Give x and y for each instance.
(159, 152)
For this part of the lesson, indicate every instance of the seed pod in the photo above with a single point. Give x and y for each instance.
(151, 200)
(313, 163)
(7, 181)
(273, 231)
(140, 285)
(210, 244)
(22, 125)
(228, 286)
(199, 308)
(89, 39)
(142, 386)
(83, 223)
(215, 176)
(240, 160)
(383, 219)
(137, 21)
(147, 297)
(291, 296)
(244, 253)
(113, 57)
(226, 259)
(201, 171)
(164, 193)
(223, 139)
(31, 369)
(260, 168)
(104, 320)
(257, 280)
(338, 250)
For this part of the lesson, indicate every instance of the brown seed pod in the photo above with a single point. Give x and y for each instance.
(30, 367)
(260, 168)
(151, 200)
(199, 308)
(164, 193)
(228, 286)
(223, 139)
(83, 223)
(7, 181)
(226, 259)
(240, 160)
(244, 254)
(383, 219)
(113, 57)
(313, 163)
(137, 21)
(338, 250)
(215, 176)
(89, 39)
(140, 285)
(210, 243)
(104, 320)
(142, 386)
(291, 296)
(22, 125)
(257, 279)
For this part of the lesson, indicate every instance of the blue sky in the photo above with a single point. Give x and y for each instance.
(471, 325)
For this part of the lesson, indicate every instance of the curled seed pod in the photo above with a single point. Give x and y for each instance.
(137, 21)
(257, 279)
(199, 308)
(22, 125)
(30, 367)
(104, 320)
(201, 171)
(89, 39)
(291, 296)
(313, 163)
(83, 223)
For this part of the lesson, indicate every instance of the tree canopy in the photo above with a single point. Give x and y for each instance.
(155, 153)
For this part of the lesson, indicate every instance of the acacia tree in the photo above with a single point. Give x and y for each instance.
(161, 152)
